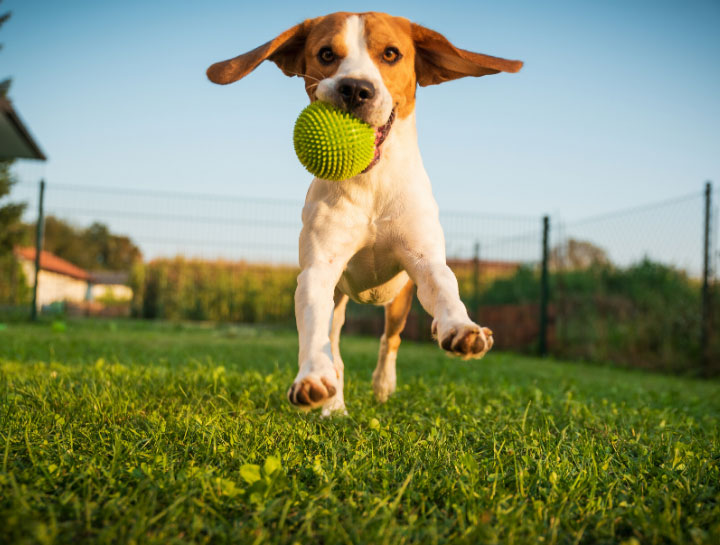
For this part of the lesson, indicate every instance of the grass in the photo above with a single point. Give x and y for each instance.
(139, 433)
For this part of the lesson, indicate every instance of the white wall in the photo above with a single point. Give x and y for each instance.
(54, 287)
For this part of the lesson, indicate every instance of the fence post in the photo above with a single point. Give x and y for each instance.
(705, 307)
(39, 229)
(476, 279)
(544, 288)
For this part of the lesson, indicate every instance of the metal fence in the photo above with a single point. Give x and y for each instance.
(165, 224)
(608, 279)
(655, 305)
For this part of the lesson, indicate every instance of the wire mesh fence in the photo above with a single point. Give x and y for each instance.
(624, 287)
(627, 287)
(165, 224)
(168, 224)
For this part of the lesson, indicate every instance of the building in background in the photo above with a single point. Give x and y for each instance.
(58, 280)
(82, 293)
(110, 287)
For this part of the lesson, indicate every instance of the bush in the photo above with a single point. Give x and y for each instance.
(186, 289)
(13, 284)
(646, 315)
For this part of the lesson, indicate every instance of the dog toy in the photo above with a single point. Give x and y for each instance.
(331, 143)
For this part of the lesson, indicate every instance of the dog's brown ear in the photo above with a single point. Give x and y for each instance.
(287, 51)
(437, 60)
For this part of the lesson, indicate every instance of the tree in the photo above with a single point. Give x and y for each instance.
(112, 252)
(92, 248)
(13, 289)
(577, 255)
(12, 280)
(11, 229)
(10, 213)
(4, 84)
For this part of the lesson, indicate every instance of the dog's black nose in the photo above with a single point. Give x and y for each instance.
(355, 92)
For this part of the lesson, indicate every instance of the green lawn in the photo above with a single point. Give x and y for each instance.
(137, 433)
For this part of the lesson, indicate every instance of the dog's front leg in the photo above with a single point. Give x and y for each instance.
(439, 295)
(330, 237)
(317, 378)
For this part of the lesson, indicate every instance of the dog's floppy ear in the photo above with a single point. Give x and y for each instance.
(287, 51)
(437, 60)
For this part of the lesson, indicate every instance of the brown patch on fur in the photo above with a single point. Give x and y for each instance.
(294, 51)
(286, 50)
(396, 313)
(437, 60)
(383, 31)
(326, 32)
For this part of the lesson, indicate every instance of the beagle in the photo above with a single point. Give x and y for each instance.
(376, 236)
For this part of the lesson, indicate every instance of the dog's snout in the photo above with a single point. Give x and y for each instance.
(355, 92)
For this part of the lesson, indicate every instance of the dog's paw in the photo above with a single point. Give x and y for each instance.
(312, 391)
(384, 384)
(334, 407)
(469, 341)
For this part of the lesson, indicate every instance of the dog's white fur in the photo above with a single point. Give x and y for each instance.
(358, 64)
(365, 237)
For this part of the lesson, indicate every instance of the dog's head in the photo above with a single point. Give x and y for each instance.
(367, 63)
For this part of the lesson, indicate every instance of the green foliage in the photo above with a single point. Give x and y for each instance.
(13, 289)
(129, 432)
(601, 313)
(187, 289)
(521, 287)
(11, 229)
(646, 315)
(91, 248)
(5, 83)
(13, 284)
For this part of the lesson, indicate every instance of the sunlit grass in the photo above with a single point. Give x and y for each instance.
(142, 433)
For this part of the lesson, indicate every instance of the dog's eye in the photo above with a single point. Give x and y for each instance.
(391, 55)
(326, 55)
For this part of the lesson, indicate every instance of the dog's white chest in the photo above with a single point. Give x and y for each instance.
(372, 276)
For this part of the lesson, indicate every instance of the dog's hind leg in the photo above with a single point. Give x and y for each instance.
(336, 404)
(396, 313)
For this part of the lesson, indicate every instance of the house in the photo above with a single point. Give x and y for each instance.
(59, 280)
(110, 286)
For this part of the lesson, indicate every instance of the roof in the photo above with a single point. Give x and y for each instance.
(51, 262)
(15, 139)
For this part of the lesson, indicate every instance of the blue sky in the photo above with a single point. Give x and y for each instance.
(618, 104)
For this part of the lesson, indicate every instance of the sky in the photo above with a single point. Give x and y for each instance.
(618, 104)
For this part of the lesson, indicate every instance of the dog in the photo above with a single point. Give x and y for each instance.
(376, 236)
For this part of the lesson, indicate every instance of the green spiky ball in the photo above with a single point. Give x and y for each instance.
(331, 143)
